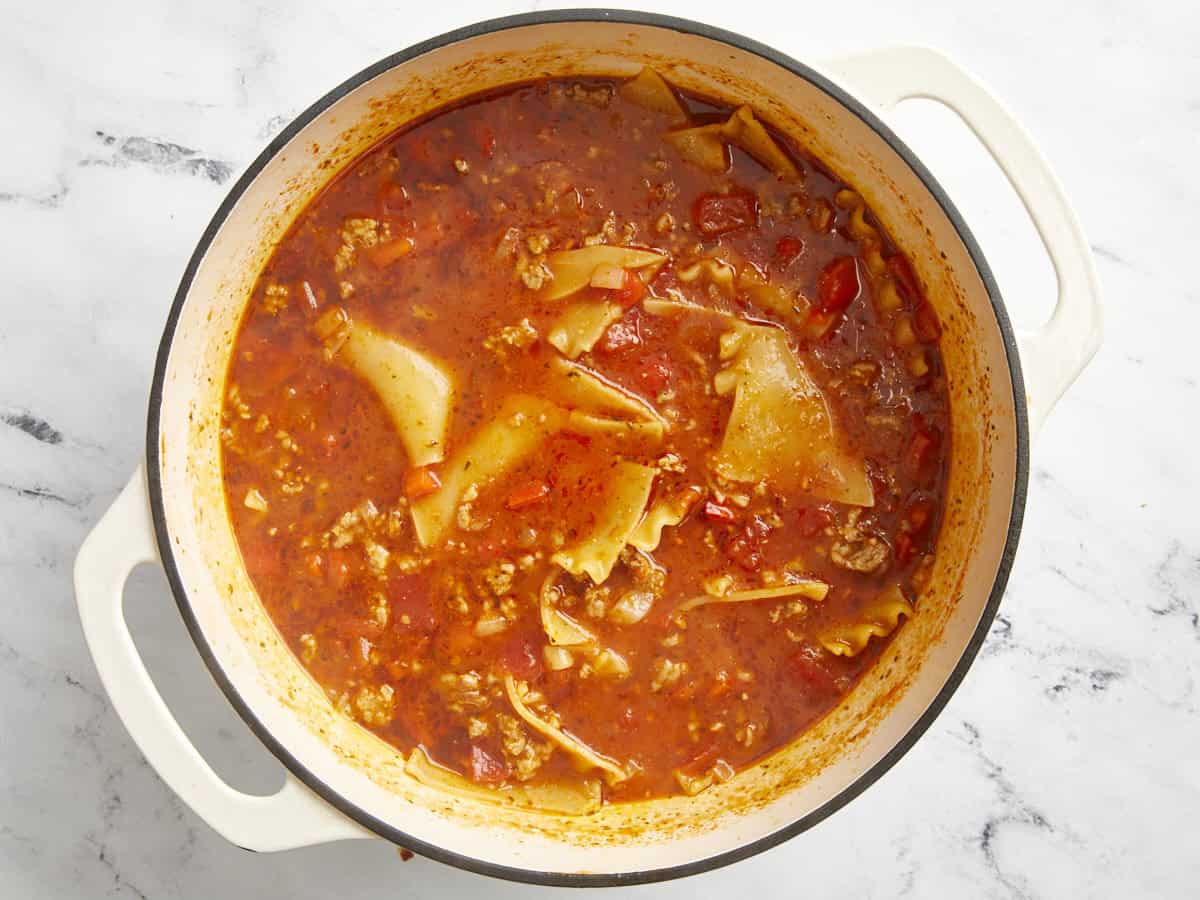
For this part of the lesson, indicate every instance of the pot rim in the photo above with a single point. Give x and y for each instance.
(533, 876)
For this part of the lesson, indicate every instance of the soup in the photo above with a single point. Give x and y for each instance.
(586, 441)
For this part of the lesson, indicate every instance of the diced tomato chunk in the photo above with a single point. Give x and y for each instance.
(715, 512)
(787, 249)
(904, 276)
(902, 548)
(717, 214)
(809, 670)
(485, 768)
(420, 482)
(631, 291)
(922, 448)
(838, 285)
(624, 334)
(655, 372)
(746, 547)
(528, 494)
(814, 520)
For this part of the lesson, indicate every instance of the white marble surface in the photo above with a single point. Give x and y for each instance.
(1065, 766)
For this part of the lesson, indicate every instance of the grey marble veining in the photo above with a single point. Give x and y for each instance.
(1065, 765)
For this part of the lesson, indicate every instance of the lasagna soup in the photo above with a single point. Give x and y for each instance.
(586, 441)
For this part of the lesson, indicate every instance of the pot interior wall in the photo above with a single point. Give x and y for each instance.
(628, 838)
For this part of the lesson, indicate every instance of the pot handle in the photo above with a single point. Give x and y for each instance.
(1054, 356)
(293, 817)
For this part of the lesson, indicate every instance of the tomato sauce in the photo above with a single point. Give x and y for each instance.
(763, 283)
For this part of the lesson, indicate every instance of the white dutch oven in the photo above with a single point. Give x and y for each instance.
(344, 782)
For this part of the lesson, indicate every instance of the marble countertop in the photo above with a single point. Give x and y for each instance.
(1065, 765)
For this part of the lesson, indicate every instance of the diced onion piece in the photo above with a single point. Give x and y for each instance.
(718, 585)
(332, 328)
(608, 277)
(649, 91)
(309, 295)
(557, 658)
(561, 630)
(880, 619)
(584, 755)
(255, 500)
(520, 427)
(693, 784)
(749, 134)
(781, 429)
(578, 387)
(330, 322)
(581, 326)
(417, 391)
(631, 608)
(616, 517)
(578, 799)
(667, 512)
(608, 663)
(572, 270)
(489, 624)
(810, 589)
(702, 145)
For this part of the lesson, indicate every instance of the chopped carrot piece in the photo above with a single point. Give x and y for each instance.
(631, 291)
(527, 495)
(420, 482)
(383, 255)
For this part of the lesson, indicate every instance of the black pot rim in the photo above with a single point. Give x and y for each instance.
(391, 832)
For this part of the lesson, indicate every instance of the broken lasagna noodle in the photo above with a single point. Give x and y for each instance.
(587, 442)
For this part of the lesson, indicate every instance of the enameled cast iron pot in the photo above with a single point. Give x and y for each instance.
(346, 783)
